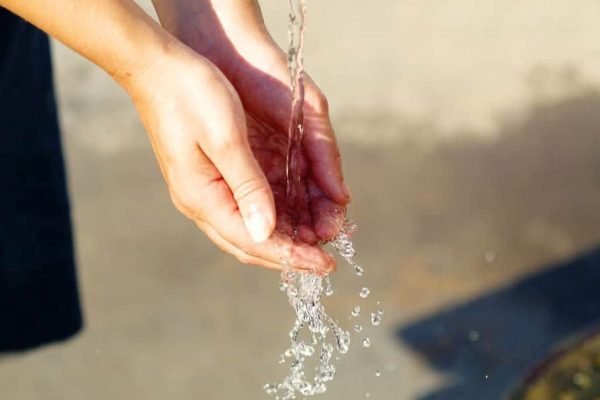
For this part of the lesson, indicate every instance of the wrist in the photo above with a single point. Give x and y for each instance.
(214, 28)
(142, 47)
(169, 68)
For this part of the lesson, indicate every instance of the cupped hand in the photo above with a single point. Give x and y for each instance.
(316, 211)
(198, 129)
(231, 34)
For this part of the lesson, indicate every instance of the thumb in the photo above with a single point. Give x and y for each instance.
(249, 186)
(226, 145)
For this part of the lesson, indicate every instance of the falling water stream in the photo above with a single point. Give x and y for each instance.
(315, 337)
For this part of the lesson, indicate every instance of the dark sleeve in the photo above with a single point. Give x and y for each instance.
(38, 288)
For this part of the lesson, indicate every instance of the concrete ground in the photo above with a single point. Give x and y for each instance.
(470, 134)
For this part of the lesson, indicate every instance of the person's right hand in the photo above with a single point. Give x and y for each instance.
(197, 127)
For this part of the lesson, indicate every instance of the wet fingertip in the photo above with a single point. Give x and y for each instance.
(284, 227)
(332, 265)
(307, 258)
(337, 192)
(307, 235)
(321, 273)
(347, 193)
(328, 266)
(326, 229)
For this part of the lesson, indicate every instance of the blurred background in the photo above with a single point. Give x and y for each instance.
(470, 133)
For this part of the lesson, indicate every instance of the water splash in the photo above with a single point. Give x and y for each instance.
(295, 64)
(328, 286)
(314, 332)
(345, 248)
(376, 318)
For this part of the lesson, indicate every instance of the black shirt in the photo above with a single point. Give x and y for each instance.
(38, 288)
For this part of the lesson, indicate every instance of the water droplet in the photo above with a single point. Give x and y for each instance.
(304, 292)
(489, 257)
(320, 389)
(302, 349)
(270, 388)
(343, 342)
(487, 376)
(375, 319)
(305, 388)
(377, 373)
(296, 364)
(327, 372)
(328, 287)
(474, 336)
(289, 275)
(366, 342)
(358, 328)
(364, 292)
(359, 271)
(326, 355)
(367, 395)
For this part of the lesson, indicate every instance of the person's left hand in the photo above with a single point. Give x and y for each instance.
(231, 34)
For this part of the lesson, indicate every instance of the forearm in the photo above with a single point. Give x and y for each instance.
(210, 21)
(116, 35)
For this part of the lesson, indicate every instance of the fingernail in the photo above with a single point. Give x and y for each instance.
(257, 226)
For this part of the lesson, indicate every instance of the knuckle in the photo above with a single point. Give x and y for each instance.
(247, 189)
(227, 144)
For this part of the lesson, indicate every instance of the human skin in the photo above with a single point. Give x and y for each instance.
(232, 34)
(218, 145)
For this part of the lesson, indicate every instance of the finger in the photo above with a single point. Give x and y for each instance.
(210, 203)
(279, 249)
(229, 151)
(322, 149)
(328, 215)
(227, 247)
(294, 221)
(273, 253)
(298, 210)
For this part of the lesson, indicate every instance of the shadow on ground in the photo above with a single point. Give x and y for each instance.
(488, 343)
(542, 179)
